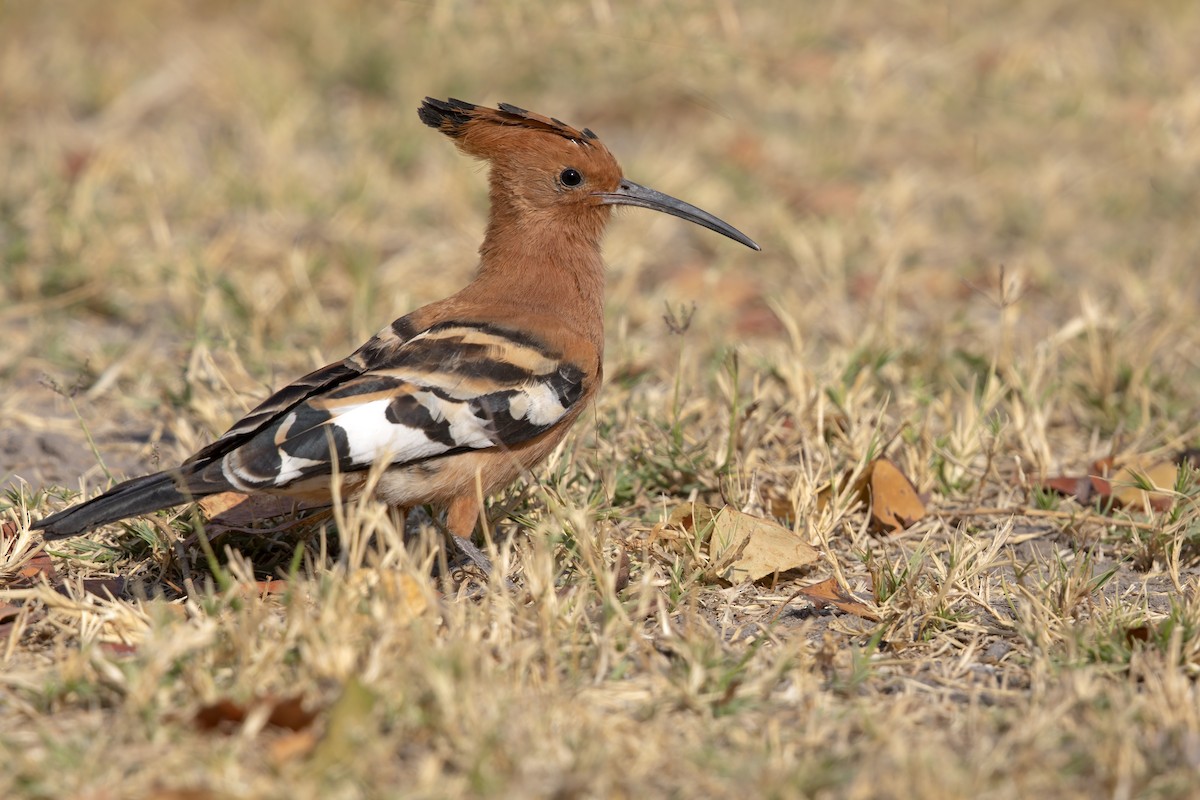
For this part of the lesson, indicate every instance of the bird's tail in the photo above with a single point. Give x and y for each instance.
(138, 496)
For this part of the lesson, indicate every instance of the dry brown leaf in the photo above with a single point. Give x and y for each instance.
(1123, 483)
(830, 592)
(8, 612)
(782, 508)
(825, 495)
(621, 581)
(224, 716)
(829, 491)
(739, 547)
(264, 588)
(744, 548)
(1138, 633)
(689, 518)
(289, 713)
(1127, 481)
(41, 564)
(895, 504)
(1084, 488)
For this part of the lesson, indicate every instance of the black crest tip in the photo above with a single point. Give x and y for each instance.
(452, 116)
(448, 116)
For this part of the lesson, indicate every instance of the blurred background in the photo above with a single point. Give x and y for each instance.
(201, 200)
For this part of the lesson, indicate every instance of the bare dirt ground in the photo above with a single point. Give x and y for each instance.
(980, 244)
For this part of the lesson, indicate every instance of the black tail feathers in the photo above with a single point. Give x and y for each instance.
(138, 496)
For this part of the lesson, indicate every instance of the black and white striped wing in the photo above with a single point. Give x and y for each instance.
(453, 388)
(375, 352)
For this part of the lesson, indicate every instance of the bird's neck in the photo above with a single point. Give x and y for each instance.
(551, 269)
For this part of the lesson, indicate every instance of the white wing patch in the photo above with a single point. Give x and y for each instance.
(539, 404)
(292, 467)
(371, 437)
(466, 429)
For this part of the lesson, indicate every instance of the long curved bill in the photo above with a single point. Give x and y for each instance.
(629, 193)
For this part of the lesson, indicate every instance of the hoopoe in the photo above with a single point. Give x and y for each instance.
(456, 399)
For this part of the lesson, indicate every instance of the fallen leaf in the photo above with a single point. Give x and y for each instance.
(1138, 633)
(689, 518)
(829, 592)
(41, 564)
(8, 530)
(289, 713)
(621, 579)
(1122, 482)
(782, 508)
(738, 547)
(8, 612)
(1127, 483)
(1079, 487)
(895, 504)
(828, 491)
(224, 716)
(743, 547)
(1083, 488)
(265, 588)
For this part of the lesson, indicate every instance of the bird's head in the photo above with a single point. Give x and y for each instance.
(543, 171)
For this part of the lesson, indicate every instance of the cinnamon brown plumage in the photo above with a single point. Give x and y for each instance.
(463, 394)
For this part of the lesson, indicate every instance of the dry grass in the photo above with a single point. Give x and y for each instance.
(980, 233)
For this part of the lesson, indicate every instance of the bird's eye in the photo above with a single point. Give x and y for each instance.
(570, 177)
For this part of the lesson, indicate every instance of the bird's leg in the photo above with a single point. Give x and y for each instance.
(461, 516)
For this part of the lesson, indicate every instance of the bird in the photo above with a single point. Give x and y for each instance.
(455, 400)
